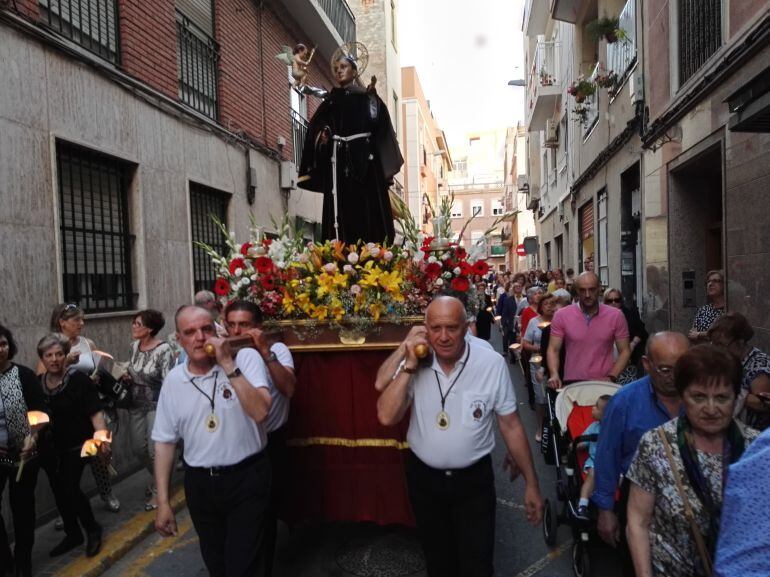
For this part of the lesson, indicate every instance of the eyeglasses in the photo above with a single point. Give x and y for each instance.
(613, 301)
(714, 281)
(71, 307)
(664, 371)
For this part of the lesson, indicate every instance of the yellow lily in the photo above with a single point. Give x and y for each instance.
(376, 309)
(319, 312)
(338, 311)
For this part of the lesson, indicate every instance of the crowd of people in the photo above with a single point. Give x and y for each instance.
(660, 480)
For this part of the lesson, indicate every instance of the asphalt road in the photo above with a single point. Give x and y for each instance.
(367, 550)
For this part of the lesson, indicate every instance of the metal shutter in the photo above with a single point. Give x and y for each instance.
(199, 12)
(587, 220)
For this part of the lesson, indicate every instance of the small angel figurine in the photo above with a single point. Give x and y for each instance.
(299, 59)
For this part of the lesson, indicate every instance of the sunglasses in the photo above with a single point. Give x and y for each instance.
(613, 300)
(71, 307)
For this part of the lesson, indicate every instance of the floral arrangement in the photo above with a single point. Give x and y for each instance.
(546, 79)
(607, 28)
(581, 89)
(581, 114)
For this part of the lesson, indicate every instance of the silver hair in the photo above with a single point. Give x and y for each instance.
(531, 291)
(563, 295)
(204, 297)
(609, 290)
(53, 340)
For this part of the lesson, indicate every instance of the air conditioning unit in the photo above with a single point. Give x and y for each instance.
(288, 176)
(636, 86)
(551, 133)
(522, 182)
(534, 199)
(560, 211)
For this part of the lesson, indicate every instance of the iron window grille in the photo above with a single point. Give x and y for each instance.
(206, 203)
(298, 132)
(94, 228)
(700, 34)
(198, 67)
(91, 23)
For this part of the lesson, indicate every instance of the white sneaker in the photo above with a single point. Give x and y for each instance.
(111, 503)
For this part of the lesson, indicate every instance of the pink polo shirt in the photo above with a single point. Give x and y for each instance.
(588, 342)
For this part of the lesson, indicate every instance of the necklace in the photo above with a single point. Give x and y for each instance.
(442, 419)
(211, 423)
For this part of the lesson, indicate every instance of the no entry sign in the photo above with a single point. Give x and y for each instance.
(521, 251)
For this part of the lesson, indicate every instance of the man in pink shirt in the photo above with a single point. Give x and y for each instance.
(588, 330)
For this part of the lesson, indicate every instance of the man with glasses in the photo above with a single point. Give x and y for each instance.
(635, 409)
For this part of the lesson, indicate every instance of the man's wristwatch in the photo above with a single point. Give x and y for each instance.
(271, 357)
(235, 374)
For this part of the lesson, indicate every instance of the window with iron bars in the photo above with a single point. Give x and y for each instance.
(700, 34)
(94, 228)
(206, 203)
(198, 67)
(91, 23)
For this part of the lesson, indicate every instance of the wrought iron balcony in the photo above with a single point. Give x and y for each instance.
(324, 23)
(341, 17)
(298, 131)
(197, 66)
(621, 55)
(543, 85)
(700, 34)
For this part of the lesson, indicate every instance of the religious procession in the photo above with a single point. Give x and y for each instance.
(328, 293)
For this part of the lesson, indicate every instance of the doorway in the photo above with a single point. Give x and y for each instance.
(631, 237)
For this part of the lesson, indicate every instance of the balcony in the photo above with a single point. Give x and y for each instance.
(591, 105)
(543, 86)
(298, 131)
(535, 17)
(571, 11)
(325, 23)
(700, 34)
(621, 55)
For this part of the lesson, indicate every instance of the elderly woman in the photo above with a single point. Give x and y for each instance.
(733, 333)
(530, 342)
(706, 315)
(151, 360)
(69, 320)
(19, 393)
(73, 404)
(680, 467)
(638, 334)
(527, 311)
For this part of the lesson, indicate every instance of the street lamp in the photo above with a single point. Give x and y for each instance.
(517, 82)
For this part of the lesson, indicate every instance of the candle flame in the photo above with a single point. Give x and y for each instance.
(515, 347)
(544, 324)
(37, 418)
(90, 448)
(103, 436)
(537, 359)
(497, 318)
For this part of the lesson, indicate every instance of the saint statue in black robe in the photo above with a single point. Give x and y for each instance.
(365, 166)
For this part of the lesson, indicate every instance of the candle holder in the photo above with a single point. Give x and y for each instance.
(439, 241)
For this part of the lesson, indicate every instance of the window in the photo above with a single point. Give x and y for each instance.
(298, 113)
(94, 227)
(601, 219)
(477, 208)
(197, 65)
(393, 21)
(497, 208)
(548, 256)
(206, 202)
(476, 236)
(91, 23)
(460, 166)
(700, 34)
(457, 209)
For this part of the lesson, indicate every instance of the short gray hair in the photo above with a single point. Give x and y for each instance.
(531, 291)
(563, 295)
(53, 340)
(204, 298)
(609, 290)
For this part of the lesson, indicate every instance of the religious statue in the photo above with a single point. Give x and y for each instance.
(351, 155)
(299, 59)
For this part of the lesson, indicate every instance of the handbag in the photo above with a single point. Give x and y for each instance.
(700, 543)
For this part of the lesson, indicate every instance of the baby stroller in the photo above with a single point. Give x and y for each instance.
(569, 413)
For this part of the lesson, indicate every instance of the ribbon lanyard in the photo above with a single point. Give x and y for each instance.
(454, 381)
(212, 398)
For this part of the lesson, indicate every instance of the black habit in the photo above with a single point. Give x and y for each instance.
(365, 167)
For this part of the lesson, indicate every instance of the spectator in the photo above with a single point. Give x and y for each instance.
(570, 277)
(72, 402)
(637, 333)
(733, 333)
(742, 545)
(69, 320)
(712, 310)
(588, 329)
(633, 410)
(151, 360)
(530, 343)
(207, 300)
(679, 469)
(484, 320)
(19, 392)
(508, 316)
(528, 313)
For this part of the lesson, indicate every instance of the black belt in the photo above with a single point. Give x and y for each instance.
(485, 461)
(224, 469)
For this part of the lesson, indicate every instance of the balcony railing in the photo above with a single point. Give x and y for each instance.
(298, 131)
(700, 34)
(544, 70)
(621, 55)
(91, 23)
(592, 105)
(197, 64)
(341, 17)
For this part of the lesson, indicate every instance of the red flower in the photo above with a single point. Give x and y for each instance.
(268, 283)
(221, 287)
(433, 269)
(263, 264)
(460, 284)
(245, 248)
(237, 263)
(480, 267)
(426, 243)
(465, 269)
(460, 253)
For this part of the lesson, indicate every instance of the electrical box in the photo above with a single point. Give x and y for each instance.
(636, 86)
(288, 177)
(688, 288)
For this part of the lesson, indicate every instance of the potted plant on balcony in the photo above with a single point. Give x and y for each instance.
(581, 89)
(607, 28)
(609, 80)
(581, 114)
(545, 78)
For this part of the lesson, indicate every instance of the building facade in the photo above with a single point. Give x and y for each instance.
(522, 221)
(427, 161)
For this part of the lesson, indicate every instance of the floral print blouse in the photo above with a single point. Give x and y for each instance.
(147, 370)
(673, 550)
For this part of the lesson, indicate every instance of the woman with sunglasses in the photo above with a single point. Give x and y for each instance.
(69, 320)
(636, 330)
(707, 315)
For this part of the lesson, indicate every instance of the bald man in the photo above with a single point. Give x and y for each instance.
(588, 330)
(454, 400)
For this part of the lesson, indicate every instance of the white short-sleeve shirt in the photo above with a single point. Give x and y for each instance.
(483, 390)
(279, 406)
(183, 411)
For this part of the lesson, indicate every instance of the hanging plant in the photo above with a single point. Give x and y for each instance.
(581, 89)
(607, 28)
(610, 81)
(545, 78)
(581, 114)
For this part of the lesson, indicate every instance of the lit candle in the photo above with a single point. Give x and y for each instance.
(103, 436)
(537, 359)
(37, 418)
(497, 318)
(544, 324)
(90, 448)
(515, 347)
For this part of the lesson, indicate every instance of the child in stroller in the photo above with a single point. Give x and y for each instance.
(592, 433)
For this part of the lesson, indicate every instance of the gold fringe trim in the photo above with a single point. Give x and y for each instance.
(351, 443)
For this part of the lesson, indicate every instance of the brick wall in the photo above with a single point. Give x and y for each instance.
(148, 43)
(28, 8)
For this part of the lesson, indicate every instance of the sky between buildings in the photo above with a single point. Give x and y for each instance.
(465, 52)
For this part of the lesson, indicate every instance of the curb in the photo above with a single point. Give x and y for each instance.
(119, 543)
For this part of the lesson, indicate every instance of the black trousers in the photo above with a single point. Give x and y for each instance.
(64, 471)
(525, 369)
(276, 451)
(455, 514)
(621, 508)
(228, 511)
(22, 499)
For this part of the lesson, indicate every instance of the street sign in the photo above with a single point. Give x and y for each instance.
(521, 251)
